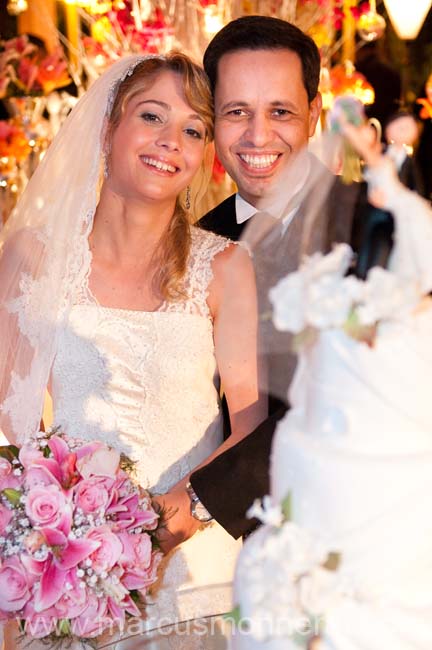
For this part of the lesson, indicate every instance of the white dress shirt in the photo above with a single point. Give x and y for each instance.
(244, 210)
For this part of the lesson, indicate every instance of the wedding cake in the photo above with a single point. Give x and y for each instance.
(344, 558)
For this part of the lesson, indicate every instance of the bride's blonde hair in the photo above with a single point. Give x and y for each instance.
(173, 251)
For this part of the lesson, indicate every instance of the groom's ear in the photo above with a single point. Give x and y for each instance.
(314, 112)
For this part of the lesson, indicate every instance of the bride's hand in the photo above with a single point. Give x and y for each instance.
(177, 523)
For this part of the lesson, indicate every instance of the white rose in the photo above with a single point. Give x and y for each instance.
(267, 512)
(302, 550)
(318, 590)
(329, 302)
(386, 296)
(288, 300)
(102, 462)
(335, 263)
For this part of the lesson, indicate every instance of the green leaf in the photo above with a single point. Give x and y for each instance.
(9, 452)
(12, 495)
(304, 339)
(234, 616)
(63, 627)
(312, 630)
(333, 561)
(136, 596)
(353, 328)
(286, 506)
(128, 465)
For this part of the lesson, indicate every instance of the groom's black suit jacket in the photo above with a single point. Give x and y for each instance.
(229, 484)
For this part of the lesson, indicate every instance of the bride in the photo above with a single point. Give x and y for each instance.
(129, 314)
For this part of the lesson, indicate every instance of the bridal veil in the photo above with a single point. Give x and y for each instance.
(44, 254)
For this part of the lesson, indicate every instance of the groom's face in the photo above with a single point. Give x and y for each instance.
(263, 117)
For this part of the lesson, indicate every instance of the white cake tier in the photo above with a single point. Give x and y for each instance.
(356, 455)
(355, 452)
(376, 511)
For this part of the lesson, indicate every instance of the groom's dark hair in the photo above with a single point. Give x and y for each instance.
(264, 33)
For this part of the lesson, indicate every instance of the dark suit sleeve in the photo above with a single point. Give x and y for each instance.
(231, 482)
(222, 220)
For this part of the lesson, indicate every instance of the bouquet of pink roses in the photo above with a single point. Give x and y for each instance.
(77, 545)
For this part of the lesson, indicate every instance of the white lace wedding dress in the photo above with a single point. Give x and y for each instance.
(146, 383)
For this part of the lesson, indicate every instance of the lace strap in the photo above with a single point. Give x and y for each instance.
(205, 246)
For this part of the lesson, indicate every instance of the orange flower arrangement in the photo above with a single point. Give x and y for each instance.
(426, 108)
(345, 80)
(426, 102)
(25, 71)
(13, 142)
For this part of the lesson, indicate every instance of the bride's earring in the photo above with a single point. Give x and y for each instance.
(187, 200)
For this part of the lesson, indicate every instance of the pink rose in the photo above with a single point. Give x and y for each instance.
(101, 462)
(5, 517)
(5, 468)
(139, 560)
(7, 478)
(93, 494)
(46, 505)
(140, 578)
(11, 481)
(93, 620)
(109, 551)
(143, 550)
(14, 586)
(137, 549)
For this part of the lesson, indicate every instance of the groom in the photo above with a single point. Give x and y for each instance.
(264, 74)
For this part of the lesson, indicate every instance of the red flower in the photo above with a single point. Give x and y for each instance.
(27, 74)
(21, 45)
(52, 72)
(363, 8)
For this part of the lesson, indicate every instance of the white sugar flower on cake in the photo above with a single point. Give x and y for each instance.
(320, 296)
(289, 577)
